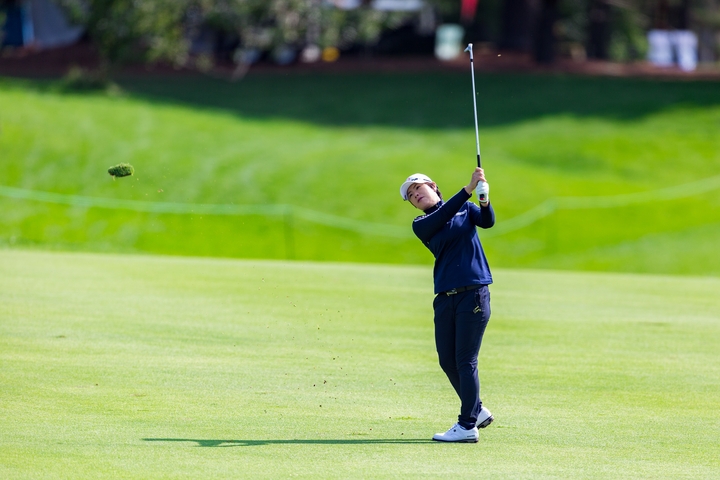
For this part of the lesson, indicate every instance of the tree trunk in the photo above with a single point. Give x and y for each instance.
(544, 47)
(599, 30)
(516, 32)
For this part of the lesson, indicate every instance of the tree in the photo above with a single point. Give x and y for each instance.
(132, 30)
(154, 30)
(285, 27)
(266, 24)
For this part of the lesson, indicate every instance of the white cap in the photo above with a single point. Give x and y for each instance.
(414, 178)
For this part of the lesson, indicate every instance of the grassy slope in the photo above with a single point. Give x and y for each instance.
(162, 367)
(340, 144)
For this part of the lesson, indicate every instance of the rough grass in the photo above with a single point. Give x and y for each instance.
(341, 144)
(165, 367)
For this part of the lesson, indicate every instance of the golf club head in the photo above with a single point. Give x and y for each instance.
(468, 48)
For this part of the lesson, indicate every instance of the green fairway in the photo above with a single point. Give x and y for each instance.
(586, 173)
(131, 366)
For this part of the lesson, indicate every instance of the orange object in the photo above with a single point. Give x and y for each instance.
(330, 54)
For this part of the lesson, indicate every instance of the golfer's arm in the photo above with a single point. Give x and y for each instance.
(426, 227)
(483, 216)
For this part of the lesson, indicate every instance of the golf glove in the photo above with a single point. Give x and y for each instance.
(483, 192)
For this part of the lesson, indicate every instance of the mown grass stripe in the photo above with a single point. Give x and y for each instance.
(510, 225)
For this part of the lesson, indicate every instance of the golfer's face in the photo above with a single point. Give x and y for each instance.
(422, 195)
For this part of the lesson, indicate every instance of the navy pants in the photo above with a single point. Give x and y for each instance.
(460, 322)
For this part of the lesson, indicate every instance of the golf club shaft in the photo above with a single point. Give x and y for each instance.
(477, 134)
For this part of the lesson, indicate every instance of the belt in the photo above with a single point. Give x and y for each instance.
(455, 291)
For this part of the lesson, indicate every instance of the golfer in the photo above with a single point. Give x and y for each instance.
(462, 276)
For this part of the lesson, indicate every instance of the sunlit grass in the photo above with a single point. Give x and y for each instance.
(161, 367)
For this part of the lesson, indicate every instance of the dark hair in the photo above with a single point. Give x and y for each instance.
(437, 190)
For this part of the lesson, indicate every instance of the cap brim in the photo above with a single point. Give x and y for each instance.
(406, 185)
(404, 189)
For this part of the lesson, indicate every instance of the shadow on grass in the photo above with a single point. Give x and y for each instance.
(438, 100)
(254, 443)
(434, 100)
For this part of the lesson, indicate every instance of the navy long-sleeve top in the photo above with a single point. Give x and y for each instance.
(448, 230)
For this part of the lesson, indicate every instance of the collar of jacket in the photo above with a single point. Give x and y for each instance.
(433, 208)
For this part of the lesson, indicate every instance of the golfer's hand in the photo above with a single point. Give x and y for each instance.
(483, 193)
(477, 177)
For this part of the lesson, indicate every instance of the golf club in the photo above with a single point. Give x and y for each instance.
(477, 134)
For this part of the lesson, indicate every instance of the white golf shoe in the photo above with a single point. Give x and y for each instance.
(458, 434)
(484, 418)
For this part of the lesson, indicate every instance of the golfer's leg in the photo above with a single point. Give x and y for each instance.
(472, 315)
(445, 338)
